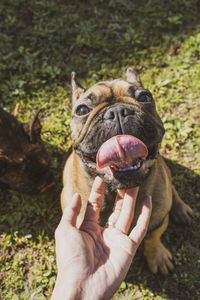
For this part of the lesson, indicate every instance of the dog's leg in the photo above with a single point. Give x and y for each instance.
(180, 212)
(158, 257)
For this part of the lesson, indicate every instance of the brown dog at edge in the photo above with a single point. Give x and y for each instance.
(24, 161)
(120, 108)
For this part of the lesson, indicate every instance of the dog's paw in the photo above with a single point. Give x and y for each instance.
(182, 214)
(159, 258)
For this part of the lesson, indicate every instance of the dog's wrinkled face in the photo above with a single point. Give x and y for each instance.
(115, 108)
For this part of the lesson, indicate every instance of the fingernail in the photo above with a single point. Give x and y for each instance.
(148, 201)
(133, 191)
(121, 193)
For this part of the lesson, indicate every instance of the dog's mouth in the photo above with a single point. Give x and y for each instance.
(123, 157)
(121, 153)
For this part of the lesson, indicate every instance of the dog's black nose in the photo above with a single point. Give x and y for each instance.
(116, 113)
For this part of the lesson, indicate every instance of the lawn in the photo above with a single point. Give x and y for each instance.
(41, 43)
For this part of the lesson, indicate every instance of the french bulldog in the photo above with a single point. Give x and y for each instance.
(117, 134)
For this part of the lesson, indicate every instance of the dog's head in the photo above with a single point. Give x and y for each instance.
(121, 109)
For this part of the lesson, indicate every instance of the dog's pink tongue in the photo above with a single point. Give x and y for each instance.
(121, 151)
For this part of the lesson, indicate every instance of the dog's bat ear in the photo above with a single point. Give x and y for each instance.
(132, 76)
(77, 89)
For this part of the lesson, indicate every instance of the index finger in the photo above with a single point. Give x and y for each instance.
(127, 212)
(95, 200)
(117, 207)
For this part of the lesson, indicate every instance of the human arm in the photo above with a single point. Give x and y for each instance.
(93, 260)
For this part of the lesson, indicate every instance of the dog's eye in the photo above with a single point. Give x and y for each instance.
(82, 110)
(144, 98)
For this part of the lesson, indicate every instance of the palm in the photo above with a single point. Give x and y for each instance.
(107, 256)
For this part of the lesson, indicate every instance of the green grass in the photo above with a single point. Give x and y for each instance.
(41, 43)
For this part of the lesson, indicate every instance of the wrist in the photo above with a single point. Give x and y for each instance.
(66, 289)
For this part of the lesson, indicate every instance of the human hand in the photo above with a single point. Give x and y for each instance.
(92, 261)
